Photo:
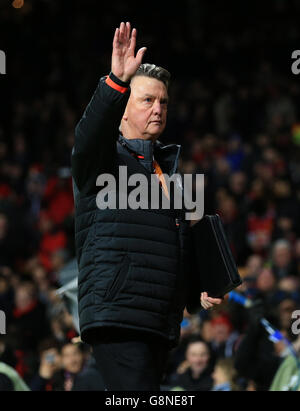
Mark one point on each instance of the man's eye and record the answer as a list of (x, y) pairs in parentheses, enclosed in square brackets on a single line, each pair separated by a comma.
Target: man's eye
[(148, 100)]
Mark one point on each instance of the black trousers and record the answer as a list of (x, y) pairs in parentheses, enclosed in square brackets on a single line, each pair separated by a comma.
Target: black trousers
[(130, 360)]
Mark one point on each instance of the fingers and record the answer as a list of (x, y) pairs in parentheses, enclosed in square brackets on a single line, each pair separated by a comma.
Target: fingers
[(122, 34), (204, 302), (211, 299), (125, 32), (132, 41), (208, 302), (214, 300), (128, 29), (122, 31), (116, 37), (206, 305), (124, 44), (140, 54)]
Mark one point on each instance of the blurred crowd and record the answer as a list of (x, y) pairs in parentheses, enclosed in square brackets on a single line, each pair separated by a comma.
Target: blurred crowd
[(234, 108)]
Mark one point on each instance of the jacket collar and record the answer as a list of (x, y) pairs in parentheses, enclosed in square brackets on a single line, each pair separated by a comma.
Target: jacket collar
[(166, 155)]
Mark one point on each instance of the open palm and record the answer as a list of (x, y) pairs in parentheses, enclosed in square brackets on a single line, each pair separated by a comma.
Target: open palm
[(124, 63)]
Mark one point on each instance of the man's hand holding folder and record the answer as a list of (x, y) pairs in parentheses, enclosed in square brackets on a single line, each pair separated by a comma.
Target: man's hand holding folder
[(208, 302), (213, 272)]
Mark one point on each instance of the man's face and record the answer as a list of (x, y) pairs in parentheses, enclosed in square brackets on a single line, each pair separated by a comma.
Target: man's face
[(221, 333), (282, 256), (197, 356), (146, 112), (72, 358)]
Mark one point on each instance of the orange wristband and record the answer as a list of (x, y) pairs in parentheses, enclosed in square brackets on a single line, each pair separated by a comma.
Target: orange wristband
[(115, 86)]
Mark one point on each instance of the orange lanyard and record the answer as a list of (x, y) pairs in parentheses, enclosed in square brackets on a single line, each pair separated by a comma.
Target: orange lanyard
[(160, 176)]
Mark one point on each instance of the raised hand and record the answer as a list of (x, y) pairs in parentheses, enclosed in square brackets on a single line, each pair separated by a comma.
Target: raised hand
[(123, 62)]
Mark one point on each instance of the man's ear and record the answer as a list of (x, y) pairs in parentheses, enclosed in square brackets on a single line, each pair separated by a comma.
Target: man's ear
[(125, 115)]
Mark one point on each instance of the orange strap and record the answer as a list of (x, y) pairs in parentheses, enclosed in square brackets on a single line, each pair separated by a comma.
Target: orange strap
[(115, 85), (161, 177)]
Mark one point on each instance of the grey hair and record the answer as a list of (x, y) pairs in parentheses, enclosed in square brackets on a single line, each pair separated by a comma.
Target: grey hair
[(153, 71), (281, 243)]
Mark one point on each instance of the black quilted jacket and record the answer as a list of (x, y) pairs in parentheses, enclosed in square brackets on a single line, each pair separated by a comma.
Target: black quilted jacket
[(132, 263)]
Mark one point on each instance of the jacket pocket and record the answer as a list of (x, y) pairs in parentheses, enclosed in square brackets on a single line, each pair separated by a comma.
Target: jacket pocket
[(118, 280)]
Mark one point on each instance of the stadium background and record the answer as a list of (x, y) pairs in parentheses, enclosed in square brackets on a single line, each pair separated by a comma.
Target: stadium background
[(234, 108)]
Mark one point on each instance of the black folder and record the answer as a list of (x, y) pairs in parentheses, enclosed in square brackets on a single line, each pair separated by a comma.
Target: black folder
[(213, 268)]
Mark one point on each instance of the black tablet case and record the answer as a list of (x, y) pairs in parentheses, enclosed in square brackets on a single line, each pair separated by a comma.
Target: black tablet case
[(213, 268)]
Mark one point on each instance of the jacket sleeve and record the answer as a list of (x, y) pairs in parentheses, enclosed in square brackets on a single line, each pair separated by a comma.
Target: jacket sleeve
[(97, 131)]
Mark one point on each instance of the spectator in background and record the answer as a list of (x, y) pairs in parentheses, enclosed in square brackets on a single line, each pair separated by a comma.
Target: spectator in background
[(70, 369), (282, 262), (26, 326), (224, 375), (6, 242), (235, 153), (237, 185), (7, 354), (35, 186), (58, 196), (58, 260), (256, 358), (10, 380), (194, 374), (62, 323), (224, 336), (253, 268), (266, 284), (62, 374), (234, 225), (29, 322), (190, 326), (52, 239), (285, 309), (287, 210), (260, 222), (287, 377), (290, 285), (50, 363), (43, 282), (280, 110), (288, 288)]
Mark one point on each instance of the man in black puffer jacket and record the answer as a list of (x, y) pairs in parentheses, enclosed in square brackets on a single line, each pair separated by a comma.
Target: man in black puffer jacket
[(132, 288)]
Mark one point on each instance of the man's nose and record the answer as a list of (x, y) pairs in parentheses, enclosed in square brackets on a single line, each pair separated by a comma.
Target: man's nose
[(157, 108)]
